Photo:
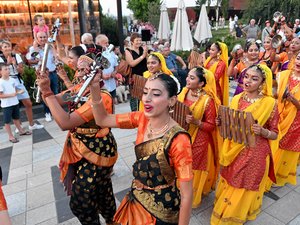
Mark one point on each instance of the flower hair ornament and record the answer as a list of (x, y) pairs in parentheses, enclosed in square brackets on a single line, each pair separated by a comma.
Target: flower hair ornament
[(156, 75), (177, 82)]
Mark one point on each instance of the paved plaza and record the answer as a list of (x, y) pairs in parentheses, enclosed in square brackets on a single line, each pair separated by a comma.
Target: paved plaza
[(35, 195)]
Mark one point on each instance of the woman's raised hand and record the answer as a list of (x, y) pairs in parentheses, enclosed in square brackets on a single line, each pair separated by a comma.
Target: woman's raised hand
[(43, 80)]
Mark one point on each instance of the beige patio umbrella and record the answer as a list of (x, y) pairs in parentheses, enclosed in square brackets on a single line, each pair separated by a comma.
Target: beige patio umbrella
[(164, 23), (203, 31), (181, 34)]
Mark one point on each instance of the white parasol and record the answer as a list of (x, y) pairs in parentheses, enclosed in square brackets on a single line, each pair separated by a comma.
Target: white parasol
[(164, 23), (203, 31), (181, 34)]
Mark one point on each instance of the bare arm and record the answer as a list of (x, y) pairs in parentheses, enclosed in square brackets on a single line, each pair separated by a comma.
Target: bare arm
[(2, 95), (102, 118), (133, 62), (232, 71), (4, 218), (274, 57), (183, 65), (64, 120), (186, 193), (63, 75)]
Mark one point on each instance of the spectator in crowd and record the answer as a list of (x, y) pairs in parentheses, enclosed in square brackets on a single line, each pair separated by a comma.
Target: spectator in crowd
[(251, 31), (39, 25), (171, 60), (231, 25), (16, 69), (10, 103), (136, 58), (238, 30), (296, 25), (266, 31), (155, 46), (236, 18), (109, 74), (50, 65), (87, 39)]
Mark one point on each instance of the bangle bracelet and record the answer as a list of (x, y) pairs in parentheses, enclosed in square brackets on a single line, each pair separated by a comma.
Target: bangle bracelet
[(199, 123), (269, 134), (99, 102), (47, 95)]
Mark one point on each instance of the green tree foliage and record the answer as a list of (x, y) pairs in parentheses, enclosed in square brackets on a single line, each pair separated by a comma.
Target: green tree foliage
[(199, 3), (110, 29), (264, 9), (154, 13), (140, 8), (224, 8)]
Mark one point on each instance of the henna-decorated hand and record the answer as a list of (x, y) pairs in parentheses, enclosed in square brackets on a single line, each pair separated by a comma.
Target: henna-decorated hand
[(61, 72), (43, 81)]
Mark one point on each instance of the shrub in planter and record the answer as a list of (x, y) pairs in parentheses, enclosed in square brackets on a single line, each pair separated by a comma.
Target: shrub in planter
[(29, 78)]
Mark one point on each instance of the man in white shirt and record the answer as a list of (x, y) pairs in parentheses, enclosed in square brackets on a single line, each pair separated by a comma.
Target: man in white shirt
[(109, 73), (42, 39)]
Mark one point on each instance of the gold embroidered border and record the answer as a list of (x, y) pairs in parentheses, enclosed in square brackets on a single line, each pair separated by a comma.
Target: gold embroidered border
[(92, 156), (234, 219), (283, 176), (156, 208)]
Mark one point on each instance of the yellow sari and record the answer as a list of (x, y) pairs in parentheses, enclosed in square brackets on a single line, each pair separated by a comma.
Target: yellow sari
[(224, 80), (286, 161), (233, 205), (204, 180)]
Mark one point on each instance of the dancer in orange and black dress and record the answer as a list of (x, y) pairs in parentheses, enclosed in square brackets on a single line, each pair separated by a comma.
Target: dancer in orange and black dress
[(163, 157), (89, 152)]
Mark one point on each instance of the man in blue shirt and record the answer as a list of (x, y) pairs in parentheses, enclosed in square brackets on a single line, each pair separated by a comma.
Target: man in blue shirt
[(171, 61)]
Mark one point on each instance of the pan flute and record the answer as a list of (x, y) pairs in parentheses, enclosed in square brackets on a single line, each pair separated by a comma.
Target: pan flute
[(236, 125), (180, 109)]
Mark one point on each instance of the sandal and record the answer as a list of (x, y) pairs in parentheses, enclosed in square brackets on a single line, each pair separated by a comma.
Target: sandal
[(25, 133), (15, 140)]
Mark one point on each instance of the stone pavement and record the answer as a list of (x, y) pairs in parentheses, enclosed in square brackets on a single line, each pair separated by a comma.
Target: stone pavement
[(35, 196)]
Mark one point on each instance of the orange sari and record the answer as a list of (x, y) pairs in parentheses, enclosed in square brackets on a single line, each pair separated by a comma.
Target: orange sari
[(150, 194)]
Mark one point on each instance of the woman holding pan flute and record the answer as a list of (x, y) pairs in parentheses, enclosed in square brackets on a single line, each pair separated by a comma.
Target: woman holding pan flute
[(201, 97), (245, 169), (286, 157)]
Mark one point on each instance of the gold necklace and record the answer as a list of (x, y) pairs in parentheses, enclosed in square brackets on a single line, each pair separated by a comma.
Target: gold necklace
[(152, 132), (251, 100), (294, 77), (197, 93)]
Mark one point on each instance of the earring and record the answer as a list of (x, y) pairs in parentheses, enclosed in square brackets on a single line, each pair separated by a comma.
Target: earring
[(218, 55), (260, 87), (171, 109)]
